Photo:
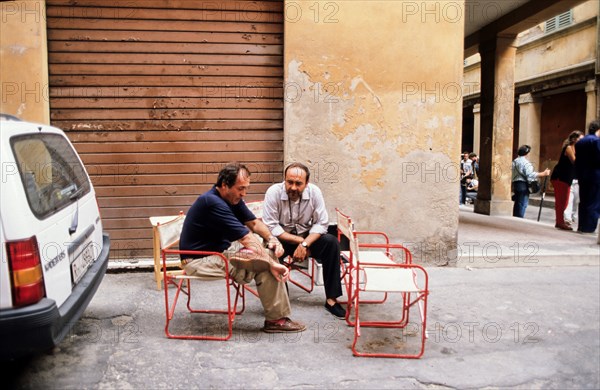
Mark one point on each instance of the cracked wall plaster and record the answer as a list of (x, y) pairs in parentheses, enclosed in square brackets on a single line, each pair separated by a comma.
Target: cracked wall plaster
[(375, 116)]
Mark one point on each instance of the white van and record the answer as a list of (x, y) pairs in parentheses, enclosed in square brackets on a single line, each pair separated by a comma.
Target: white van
[(54, 252)]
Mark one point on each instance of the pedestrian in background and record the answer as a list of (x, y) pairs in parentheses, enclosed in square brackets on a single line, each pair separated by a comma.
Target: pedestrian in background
[(522, 174), (474, 164), (466, 173), (562, 178), (587, 166), (570, 213)]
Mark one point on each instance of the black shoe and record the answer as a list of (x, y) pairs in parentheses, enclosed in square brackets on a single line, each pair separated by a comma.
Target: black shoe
[(337, 310)]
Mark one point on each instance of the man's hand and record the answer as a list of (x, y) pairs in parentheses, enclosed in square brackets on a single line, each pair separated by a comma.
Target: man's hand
[(275, 246), (280, 272), (300, 254)]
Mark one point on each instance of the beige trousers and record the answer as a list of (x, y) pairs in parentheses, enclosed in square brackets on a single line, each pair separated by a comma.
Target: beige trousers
[(243, 268)]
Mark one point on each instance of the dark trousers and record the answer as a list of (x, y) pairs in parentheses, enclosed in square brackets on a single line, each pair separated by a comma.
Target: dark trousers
[(326, 250), (521, 198), (589, 205), (463, 193)]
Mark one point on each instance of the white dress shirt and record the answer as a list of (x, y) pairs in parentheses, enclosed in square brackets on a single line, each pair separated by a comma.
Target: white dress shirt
[(307, 215)]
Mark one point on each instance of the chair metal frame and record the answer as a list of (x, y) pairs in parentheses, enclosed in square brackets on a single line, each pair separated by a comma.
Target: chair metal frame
[(345, 266), (371, 267), (309, 273), (167, 242)]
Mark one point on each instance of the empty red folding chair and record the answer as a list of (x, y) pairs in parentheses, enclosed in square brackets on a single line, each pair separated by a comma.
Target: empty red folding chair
[(372, 268)]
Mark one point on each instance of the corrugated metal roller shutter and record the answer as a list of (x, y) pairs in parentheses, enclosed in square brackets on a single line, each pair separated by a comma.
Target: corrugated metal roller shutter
[(157, 95)]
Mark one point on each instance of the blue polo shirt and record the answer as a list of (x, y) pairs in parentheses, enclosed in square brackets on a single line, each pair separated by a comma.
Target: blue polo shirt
[(212, 224)]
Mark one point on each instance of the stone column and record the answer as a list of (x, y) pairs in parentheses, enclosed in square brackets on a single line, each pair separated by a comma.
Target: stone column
[(530, 121), (591, 111), (476, 127), (497, 115)]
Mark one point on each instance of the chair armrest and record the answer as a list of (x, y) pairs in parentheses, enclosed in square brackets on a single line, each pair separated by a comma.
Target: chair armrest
[(388, 246), (373, 233)]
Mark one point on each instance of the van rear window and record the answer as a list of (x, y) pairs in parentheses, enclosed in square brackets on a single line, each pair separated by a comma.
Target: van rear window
[(51, 173)]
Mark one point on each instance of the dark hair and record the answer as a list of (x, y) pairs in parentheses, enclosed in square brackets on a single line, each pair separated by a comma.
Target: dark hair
[(472, 154), (298, 165), (594, 126), (524, 150), (230, 173), (572, 137)]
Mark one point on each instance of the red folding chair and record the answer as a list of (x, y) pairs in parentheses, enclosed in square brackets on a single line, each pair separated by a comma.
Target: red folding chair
[(372, 268), (345, 268), (168, 236), (307, 269)]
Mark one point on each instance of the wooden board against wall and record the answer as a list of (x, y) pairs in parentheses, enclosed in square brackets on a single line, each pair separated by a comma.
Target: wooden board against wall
[(158, 95)]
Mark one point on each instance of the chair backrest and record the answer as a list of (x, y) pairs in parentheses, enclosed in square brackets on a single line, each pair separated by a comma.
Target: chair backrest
[(346, 227), (256, 207), (169, 232)]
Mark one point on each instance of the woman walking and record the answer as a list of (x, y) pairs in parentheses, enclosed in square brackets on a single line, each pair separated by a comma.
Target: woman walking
[(522, 175), (562, 178)]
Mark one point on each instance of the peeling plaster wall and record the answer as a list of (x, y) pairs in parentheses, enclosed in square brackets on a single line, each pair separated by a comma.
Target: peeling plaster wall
[(24, 60), (373, 106)]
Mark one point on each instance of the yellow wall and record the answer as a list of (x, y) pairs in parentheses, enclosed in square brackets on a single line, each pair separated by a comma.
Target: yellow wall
[(373, 106), (24, 61), (561, 52), (472, 75)]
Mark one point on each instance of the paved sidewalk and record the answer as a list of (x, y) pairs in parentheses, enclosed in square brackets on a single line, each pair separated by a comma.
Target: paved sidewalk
[(524, 328), (491, 324), (485, 241)]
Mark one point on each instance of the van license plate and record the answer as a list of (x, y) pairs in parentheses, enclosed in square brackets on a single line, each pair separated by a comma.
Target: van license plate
[(82, 262)]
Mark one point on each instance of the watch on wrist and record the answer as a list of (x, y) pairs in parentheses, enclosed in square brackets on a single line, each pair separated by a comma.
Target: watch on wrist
[(304, 244)]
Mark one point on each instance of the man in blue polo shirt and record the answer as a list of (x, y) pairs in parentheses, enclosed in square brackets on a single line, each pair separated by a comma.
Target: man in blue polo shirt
[(219, 221)]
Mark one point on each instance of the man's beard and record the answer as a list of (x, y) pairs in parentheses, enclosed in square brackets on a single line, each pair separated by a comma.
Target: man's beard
[(294, 195)]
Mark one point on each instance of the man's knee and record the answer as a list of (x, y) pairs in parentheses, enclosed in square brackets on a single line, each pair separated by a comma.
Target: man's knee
[(330, 249), (330, 241), (210, 267)]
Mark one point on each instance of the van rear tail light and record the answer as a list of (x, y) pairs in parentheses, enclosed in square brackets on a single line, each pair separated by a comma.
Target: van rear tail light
[(26, 270)]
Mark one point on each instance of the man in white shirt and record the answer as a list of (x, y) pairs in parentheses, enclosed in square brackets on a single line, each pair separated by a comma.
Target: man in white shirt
[(295, 213)]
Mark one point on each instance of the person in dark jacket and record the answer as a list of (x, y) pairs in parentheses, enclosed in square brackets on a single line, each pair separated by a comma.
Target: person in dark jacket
[(587, 166)]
